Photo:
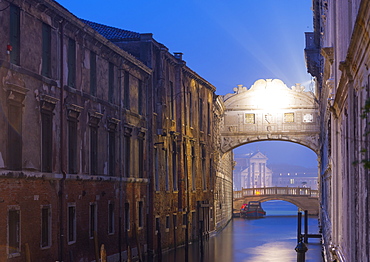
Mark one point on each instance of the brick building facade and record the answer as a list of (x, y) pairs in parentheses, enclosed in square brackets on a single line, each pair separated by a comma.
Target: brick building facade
[(73, 157), (102, 142), (181, 124)]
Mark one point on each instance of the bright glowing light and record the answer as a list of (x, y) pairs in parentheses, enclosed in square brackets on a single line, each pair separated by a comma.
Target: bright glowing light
[(271, 94), (278, 249)]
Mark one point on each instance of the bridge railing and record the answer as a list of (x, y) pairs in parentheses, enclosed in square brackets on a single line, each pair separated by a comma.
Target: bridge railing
[(296, 191)]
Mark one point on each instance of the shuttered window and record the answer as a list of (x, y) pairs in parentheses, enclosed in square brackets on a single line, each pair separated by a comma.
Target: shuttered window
[(71, 61), (14, 38), (209, 119), (141, 157), (200, 114), (46, 50), (112, 152), (190, 109), (174, 166), (126, 90), (111, 218), (167, 175), (156, 170), (92, 73), (111, 83), (93, 150), (204, 177), (72, 147), (71, 223), (141, 214), (193, 168), (46, 141), (15, 137), (140, 97), (172, 101), (127, 216), (93, 219), (127, 151), (14, 231), (45, 226)]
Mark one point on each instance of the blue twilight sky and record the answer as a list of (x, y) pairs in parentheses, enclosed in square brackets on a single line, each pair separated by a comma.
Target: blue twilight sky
[(226, 42)]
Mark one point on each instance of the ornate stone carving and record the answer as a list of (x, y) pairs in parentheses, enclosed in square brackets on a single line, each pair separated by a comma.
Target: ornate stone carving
[(269, 110)]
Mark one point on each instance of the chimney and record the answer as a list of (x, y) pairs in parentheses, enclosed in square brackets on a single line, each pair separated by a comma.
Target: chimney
[(178, 55)]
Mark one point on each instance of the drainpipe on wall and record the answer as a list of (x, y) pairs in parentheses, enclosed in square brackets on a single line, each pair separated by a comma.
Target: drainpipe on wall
[(147, 154), (61, 183), (120, 165)]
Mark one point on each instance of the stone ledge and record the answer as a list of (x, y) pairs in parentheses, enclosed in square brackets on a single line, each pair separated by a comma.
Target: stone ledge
[(57, 176)]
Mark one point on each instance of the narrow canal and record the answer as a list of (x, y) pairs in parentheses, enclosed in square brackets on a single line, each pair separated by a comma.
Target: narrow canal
[(269, 239)]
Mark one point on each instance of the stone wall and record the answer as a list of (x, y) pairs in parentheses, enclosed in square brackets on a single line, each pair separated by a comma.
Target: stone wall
[(224, 190), (342, 37)]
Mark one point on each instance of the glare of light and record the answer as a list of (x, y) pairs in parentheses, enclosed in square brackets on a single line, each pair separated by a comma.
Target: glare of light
[(271, 94), (280, 251)]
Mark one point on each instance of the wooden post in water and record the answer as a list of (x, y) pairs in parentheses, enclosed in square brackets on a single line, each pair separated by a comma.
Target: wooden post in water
[(103, 254), (96, 245), (187, 239), (28, 254), (201, 239), (306, 226), (301, 247), (299, 229)]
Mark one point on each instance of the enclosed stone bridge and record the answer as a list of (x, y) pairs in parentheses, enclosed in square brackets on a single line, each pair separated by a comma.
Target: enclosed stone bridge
[(269, 110), (304, 198)]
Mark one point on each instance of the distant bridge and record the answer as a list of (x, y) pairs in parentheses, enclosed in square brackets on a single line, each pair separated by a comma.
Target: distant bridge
[(302, 197)]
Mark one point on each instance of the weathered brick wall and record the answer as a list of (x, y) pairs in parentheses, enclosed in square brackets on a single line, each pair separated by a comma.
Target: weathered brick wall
[(28, 189), (224, 190)]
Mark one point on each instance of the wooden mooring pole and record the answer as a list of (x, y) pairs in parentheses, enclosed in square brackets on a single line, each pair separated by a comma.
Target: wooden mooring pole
[(301, 247), (299, 227), (305, 226)]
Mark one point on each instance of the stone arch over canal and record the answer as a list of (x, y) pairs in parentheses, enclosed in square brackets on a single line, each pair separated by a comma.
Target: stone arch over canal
[(304, 198), (270, 110)]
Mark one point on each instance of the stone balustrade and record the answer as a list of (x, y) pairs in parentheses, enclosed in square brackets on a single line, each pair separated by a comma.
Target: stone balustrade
[(266, 191)]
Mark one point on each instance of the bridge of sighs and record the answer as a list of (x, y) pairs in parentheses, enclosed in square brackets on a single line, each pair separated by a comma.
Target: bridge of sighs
[(269, 110)]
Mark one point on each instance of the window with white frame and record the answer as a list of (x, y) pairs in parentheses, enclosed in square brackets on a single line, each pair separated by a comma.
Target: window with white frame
[(193, 174), (166, 170), (110, 218), (140, 214), (174, 167), (174, 219), (93, 223), (45, 226), (71, 223), (127, 216), (184, 219), (157, 225), (167, 223), (156, 169), (14, 231)]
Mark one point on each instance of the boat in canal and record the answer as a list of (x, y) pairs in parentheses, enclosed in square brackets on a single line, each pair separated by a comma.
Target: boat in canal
[(252, 210)]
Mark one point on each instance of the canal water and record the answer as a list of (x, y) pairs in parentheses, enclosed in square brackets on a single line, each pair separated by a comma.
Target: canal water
[(269, 239)]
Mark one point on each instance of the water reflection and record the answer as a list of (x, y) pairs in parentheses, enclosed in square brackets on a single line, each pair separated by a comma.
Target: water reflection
[(270, 239), (271, 252)]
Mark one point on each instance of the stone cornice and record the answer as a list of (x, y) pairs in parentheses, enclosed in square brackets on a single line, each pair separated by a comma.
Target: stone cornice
[(56, 176)]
